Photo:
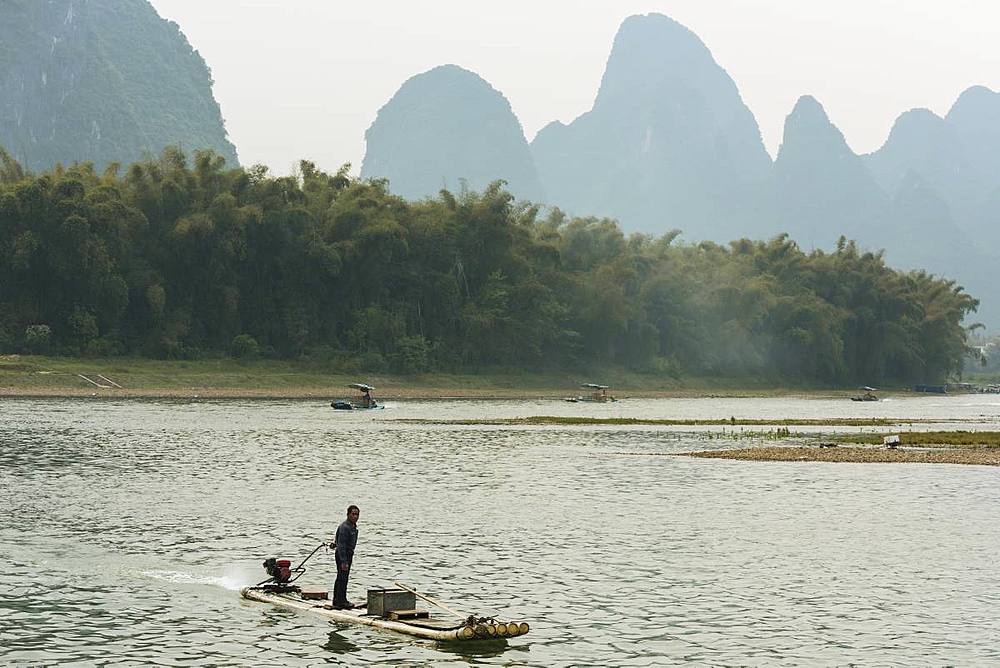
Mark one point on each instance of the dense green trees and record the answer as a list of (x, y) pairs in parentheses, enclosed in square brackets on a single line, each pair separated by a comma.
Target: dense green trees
[(178, 259)]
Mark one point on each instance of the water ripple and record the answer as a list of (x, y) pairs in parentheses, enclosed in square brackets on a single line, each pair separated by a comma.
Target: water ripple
[(128, 526)]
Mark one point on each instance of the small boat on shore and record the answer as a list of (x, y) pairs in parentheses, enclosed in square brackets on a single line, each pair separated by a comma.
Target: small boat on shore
[(598, 394)]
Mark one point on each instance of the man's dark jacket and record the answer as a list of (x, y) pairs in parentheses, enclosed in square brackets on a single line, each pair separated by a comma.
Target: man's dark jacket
[(345, 542)]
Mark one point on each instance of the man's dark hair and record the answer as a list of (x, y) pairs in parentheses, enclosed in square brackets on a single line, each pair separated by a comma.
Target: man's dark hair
[(352, 507)]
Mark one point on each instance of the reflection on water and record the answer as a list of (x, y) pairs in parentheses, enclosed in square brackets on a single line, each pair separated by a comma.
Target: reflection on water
[(475, 652), (338, 644), (128, 526)]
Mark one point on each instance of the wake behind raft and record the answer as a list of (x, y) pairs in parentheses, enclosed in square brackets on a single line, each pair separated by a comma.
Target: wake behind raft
[(388, 609)]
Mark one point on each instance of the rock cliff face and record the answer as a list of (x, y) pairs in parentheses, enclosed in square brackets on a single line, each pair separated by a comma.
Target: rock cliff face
[(102, 81), (669, 143), (444, 126)]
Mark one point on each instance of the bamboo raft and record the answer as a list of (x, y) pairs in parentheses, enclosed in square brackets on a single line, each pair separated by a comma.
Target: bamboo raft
[(424, 624)]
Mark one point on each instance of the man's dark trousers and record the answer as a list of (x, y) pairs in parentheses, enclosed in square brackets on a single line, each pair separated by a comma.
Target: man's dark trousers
[(340, 587)]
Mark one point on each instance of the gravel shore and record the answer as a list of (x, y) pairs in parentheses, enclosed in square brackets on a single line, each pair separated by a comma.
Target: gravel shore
[(849, 454)]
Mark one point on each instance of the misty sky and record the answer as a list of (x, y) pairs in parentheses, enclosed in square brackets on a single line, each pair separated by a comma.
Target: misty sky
[(305, 78)]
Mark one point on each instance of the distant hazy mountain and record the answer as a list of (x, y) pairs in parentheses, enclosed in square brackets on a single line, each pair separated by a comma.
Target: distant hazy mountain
[(903, 199), (958, 156), (944, 177), (929, 239), (100, 80), (446, 125), (824, 190), (669, 143), (976, 119), (926, 145), (987, 232)]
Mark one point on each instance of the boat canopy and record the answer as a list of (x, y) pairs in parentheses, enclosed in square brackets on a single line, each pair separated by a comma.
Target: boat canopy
[(867, 389), (595, 386), (362, 387)]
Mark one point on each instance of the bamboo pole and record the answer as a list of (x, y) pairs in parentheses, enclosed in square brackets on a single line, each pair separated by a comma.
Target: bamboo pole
[(108, 380), (91, 381), (430, 600)]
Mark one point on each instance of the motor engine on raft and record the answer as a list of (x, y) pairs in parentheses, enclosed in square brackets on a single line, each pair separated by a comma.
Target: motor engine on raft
[(280, 570), (279, 573)]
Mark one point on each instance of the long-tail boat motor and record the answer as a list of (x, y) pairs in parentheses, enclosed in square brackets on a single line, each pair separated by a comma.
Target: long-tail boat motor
[(280, 570), (281, 574)]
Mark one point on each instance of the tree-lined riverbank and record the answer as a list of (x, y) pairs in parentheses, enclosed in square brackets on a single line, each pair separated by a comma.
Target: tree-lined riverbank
[(179, 259)]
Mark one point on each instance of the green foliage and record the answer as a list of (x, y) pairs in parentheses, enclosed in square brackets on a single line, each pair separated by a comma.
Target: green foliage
[(412, 355), (179, 258), (37, 338), (244, 346), (83, 326), (7, 340)]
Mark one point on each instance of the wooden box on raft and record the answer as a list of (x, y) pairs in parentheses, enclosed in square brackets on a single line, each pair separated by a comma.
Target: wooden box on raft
[(313, 594), (383, 601)]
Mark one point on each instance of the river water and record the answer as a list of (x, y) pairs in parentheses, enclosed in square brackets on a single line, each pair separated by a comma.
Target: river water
[(128, 528)]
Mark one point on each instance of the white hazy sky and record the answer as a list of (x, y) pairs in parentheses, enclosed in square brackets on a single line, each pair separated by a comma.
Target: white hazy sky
[(305, 78)]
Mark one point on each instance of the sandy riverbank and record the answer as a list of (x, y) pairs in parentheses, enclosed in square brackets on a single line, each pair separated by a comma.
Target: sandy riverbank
[(35, 376), (382, 393), (333, 392)]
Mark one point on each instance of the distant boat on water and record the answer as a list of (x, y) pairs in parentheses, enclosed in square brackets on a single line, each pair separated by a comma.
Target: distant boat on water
[(367, 401), (869, 394), (598, 394)]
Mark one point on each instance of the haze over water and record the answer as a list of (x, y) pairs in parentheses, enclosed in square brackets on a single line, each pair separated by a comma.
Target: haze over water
[(130, 527)]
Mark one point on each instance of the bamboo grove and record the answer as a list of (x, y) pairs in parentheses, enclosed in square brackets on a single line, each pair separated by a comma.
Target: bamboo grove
[(174, 258)]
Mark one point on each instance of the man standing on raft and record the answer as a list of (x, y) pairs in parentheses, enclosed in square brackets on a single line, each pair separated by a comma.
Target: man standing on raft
[(344, 544)]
